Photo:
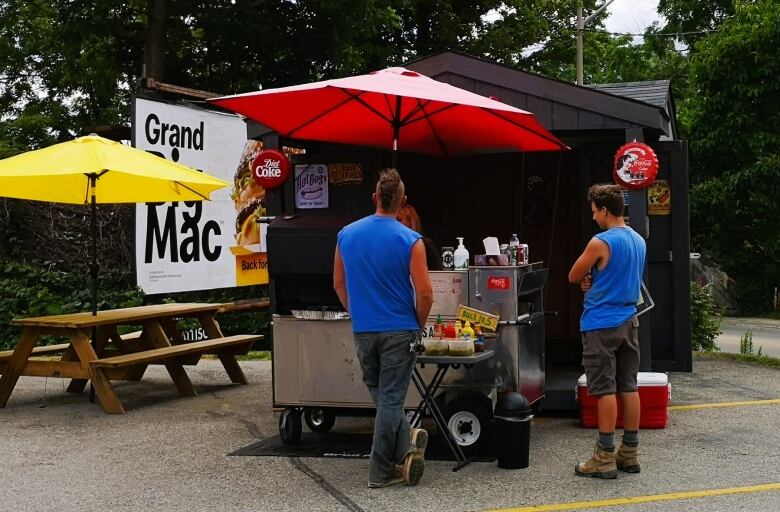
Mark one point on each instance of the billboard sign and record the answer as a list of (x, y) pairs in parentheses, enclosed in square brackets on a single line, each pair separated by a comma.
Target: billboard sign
[(186, 246)]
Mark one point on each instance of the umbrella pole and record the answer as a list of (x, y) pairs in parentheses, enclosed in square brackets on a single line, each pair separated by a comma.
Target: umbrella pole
[(93, 267), (396, 130)]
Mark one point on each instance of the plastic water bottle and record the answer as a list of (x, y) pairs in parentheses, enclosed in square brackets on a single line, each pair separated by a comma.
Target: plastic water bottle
[(514, 245)]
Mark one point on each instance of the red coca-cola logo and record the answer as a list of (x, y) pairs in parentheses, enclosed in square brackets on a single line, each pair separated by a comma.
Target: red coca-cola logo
[(498, 283), (270, 169), (636, 165)]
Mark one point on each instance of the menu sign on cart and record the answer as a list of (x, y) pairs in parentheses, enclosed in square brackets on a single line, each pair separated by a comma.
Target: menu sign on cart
[(486, 320)]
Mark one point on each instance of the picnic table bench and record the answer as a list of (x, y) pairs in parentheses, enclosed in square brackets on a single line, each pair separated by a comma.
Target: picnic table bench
[(96, 351)]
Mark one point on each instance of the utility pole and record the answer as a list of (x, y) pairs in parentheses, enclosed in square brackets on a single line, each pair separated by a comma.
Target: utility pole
[(581, 24)]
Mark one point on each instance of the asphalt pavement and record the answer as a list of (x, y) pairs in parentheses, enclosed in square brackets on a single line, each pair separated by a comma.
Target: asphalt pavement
[(59, 452), (766, 334)]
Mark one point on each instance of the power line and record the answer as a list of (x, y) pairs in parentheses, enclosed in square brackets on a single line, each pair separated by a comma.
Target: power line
[(652, 34)]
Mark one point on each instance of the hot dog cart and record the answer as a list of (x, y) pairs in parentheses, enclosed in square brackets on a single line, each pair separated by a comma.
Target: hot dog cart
[(316, 373)]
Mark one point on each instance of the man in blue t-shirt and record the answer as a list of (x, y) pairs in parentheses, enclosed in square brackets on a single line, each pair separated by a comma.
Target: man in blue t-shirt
[(381, 277), (609, 271)]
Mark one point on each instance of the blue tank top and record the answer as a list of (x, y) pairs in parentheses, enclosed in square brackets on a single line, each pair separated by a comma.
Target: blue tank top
[(615, 289), (376, 251)]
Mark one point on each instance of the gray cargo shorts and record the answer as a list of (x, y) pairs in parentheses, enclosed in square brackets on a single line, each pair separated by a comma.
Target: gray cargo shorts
[(611, 358)]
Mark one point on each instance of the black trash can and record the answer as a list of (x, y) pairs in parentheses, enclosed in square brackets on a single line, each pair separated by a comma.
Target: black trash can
[(513, 430)]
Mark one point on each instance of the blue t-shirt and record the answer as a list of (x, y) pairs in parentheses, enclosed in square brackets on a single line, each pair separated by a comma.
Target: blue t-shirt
[(376, 251), (615, 289)]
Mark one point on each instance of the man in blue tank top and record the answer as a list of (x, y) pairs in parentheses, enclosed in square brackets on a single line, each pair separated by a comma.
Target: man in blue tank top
[(609, 271), (380, 274)]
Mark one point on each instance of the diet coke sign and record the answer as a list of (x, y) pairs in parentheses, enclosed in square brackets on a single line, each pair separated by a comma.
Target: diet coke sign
[(270, 169)]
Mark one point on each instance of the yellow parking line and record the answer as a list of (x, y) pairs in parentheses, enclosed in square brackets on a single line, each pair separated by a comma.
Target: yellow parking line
[(633, 500), (723, 404)]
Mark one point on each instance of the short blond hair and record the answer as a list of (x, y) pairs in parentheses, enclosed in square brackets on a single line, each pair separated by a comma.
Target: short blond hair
[(388, 189)]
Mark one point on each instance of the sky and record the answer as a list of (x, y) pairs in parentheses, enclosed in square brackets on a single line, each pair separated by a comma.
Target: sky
[(632, 16)]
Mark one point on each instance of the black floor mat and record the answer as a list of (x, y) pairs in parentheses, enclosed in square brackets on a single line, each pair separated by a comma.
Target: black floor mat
[(342, 445)]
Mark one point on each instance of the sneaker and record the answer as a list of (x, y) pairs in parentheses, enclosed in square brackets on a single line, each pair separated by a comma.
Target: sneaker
[(627, 459), (413, 468), (601, 465), (419, 440)]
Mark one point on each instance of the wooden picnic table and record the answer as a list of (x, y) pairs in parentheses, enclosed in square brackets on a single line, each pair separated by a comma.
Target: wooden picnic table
[(120, 357)]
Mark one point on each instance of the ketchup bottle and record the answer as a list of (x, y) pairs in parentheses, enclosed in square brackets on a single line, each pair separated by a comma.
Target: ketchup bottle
[(449, 330)]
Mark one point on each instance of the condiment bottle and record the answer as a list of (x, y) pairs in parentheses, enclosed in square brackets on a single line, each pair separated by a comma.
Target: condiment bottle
[(438, 328), (449, 330), (467, 332), (458, 329), (479, 340)]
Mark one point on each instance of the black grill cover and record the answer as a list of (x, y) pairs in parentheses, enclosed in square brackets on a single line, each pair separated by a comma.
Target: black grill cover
[(300, 262)]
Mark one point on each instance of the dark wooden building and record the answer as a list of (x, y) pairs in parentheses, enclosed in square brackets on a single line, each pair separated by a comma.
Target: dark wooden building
[(542, 198)]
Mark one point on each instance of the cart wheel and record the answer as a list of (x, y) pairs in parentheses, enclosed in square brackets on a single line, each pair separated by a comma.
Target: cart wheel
[(319, 420), (469, 421), (290, 426)]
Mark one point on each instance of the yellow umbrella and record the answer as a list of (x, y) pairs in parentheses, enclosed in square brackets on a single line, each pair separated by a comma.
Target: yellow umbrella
[(61, 173), (91, 170)]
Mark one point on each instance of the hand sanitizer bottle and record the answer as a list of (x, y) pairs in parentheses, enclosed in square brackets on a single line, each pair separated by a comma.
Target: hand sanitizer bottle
[(461, 255)]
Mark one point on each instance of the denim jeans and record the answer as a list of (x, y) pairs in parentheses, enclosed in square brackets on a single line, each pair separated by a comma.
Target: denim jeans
[(387, 363)]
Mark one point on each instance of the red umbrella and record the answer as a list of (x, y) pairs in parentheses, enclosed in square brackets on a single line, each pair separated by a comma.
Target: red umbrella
[(394, 108)]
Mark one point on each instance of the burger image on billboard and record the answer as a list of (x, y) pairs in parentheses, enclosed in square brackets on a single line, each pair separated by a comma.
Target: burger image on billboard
[(248, 197)]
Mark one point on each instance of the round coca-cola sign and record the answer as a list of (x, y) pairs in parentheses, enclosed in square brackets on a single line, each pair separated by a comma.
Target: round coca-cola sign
[(636, 165), (270, 169)]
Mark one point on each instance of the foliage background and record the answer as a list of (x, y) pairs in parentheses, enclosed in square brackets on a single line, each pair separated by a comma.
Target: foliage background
[(705, 320), (67, 67)]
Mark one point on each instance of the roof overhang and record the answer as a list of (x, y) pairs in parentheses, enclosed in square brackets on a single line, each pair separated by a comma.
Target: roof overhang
[(630, 111)]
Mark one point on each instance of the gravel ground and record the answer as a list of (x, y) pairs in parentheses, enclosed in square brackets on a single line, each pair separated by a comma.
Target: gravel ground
[(169, 453)]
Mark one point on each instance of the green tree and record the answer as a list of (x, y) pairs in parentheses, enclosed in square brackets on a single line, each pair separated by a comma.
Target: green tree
[(694, 16), (735, 168), (68, 66)]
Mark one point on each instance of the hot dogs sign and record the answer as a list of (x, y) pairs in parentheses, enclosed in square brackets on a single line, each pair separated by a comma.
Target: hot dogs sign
[(311, 186), (636, 166)]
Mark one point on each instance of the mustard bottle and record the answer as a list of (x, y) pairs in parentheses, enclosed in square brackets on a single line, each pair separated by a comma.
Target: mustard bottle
[(467, 331)]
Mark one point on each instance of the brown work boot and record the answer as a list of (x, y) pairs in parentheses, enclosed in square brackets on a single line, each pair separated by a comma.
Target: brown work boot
[(601, 465), (419, 440), (413, 468), (398, 478), (627, 458)]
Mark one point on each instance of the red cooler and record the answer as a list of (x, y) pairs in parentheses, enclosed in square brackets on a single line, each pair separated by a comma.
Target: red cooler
[(655, 395)]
